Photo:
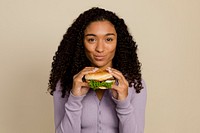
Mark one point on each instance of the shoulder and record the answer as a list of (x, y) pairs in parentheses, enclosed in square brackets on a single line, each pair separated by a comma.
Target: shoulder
[(143, 92), (58, 90), (144, 89)]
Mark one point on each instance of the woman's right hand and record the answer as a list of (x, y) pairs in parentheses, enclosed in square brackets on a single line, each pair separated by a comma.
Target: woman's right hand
[(79, 87)]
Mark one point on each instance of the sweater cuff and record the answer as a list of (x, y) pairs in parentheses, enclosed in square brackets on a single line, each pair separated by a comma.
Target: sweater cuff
[(74, 102), (123, 107), (122, 104)]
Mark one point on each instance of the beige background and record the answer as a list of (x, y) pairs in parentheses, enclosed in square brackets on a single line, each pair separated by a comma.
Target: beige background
[(168, 35)]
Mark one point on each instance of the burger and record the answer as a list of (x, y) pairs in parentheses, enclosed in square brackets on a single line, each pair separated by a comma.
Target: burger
[(100, 79)]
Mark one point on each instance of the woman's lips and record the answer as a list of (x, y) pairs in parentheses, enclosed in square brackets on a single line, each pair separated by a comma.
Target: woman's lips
[(98, 58)]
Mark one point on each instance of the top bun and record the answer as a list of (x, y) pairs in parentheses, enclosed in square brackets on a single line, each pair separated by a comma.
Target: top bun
[(99, 75)]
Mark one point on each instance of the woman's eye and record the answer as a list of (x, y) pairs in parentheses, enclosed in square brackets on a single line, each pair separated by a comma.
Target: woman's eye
[(109, 39), (91, 40)]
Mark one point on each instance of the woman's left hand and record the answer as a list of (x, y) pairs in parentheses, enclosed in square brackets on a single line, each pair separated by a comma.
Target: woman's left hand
[(120, 90)]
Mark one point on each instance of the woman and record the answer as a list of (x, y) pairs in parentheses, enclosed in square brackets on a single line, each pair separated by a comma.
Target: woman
[(97, 39)]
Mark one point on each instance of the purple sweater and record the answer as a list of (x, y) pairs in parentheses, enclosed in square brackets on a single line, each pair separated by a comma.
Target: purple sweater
[(86, 114)]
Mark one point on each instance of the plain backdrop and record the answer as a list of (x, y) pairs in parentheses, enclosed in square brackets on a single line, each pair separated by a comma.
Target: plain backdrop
[(167, 33)]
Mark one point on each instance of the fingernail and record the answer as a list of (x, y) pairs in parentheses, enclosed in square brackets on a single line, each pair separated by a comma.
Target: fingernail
[(108, 68), (95, 69)]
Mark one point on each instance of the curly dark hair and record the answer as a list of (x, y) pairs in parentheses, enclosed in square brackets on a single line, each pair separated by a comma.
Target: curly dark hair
[(70, 57)]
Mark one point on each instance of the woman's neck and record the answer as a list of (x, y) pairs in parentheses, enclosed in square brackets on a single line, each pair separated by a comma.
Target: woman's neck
[(100, 93)]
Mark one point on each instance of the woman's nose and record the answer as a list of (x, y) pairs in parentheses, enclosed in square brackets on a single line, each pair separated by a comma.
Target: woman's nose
[(100, 46)]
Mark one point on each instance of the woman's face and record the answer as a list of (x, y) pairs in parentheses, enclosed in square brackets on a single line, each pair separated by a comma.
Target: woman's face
[(100, 41)]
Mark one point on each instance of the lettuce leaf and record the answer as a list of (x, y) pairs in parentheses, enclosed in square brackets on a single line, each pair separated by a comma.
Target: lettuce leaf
[(96, 84)]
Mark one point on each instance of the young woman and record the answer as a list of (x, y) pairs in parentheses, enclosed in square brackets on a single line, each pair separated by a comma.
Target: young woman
[(97, 39)]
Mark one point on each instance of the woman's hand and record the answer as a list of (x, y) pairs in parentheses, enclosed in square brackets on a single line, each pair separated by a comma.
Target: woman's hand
[(79, 87), (120, 90)]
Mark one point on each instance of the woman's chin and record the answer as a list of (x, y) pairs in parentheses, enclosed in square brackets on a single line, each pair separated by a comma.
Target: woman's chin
[(102, 65)]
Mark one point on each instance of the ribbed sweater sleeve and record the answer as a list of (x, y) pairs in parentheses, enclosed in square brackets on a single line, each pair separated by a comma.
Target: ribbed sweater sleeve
[(131, 112), (67, 120)]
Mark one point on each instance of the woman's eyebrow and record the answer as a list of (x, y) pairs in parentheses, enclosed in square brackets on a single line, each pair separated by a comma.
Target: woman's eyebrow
[(108, 34), (90, 35)]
